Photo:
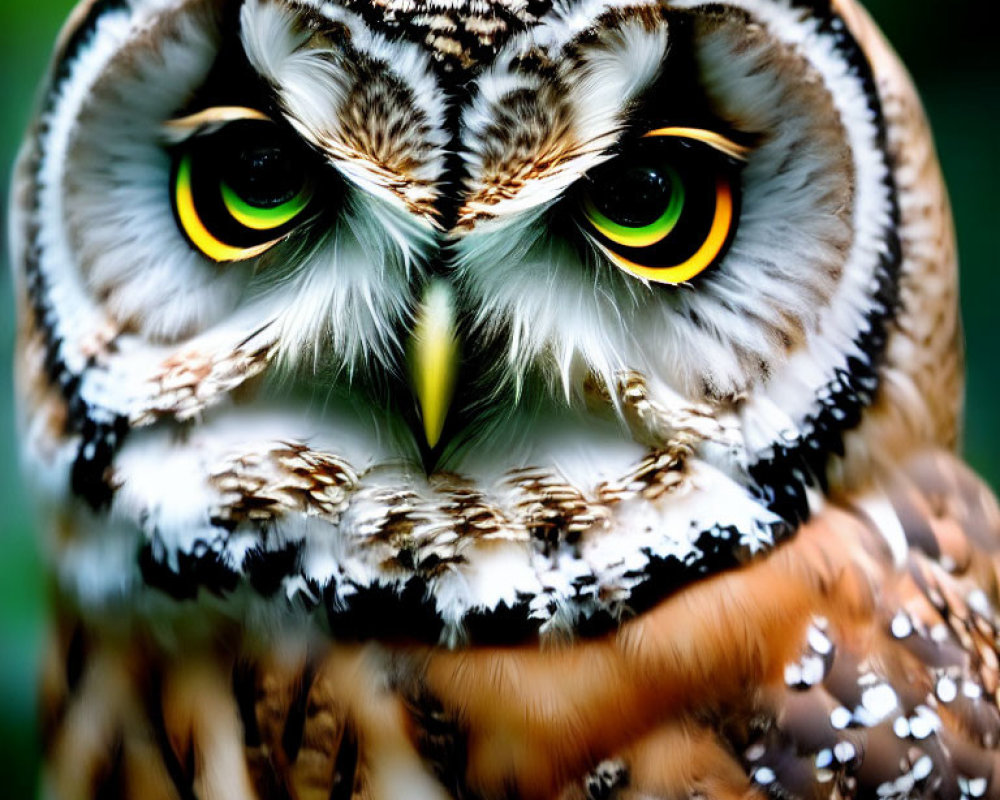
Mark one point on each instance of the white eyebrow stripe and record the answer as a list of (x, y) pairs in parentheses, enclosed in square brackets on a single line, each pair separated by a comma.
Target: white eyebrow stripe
[(323, 91), (567, 19), (593, 90)]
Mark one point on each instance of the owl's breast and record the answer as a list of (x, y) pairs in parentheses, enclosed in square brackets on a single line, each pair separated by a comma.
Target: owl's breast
[(846, 662)]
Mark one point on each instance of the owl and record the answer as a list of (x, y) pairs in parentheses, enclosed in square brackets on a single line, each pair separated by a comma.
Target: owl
[(488, 399)]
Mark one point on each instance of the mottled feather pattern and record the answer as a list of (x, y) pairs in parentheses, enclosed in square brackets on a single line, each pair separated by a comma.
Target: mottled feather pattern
[(707, 539), (825, 670)]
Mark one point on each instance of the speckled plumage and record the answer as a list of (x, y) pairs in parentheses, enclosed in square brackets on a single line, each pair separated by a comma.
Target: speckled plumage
[(707, 539)]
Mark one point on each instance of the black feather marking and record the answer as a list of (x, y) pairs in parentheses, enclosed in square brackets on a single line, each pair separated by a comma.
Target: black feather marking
[(81, 35), (295, 723), (76, 658), (101, 432), (345, 768), (181, 774), (204, 568), (110, 783), (442, 742), (783, 474), (502, 625), (399, 613), (245, 694), (267, 569)]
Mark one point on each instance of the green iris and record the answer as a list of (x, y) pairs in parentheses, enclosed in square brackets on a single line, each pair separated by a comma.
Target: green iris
[(261, 218), (635, 195)]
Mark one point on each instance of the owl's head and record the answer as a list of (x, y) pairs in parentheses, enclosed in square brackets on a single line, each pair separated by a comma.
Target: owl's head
[(469, 319)]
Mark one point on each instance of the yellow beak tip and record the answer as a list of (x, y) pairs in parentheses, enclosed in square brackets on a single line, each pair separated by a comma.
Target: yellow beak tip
[(433, 435)]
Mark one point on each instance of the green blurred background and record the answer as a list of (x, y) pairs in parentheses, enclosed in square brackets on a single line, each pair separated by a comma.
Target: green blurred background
[(951, 47)]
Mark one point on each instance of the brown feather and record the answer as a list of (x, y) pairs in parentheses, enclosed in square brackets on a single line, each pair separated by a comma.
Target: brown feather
[(741, 677)]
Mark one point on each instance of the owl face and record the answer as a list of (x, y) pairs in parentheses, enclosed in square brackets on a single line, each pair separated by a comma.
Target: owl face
[(462, 321)]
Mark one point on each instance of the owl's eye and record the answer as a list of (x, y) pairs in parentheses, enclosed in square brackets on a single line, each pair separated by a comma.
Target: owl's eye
[(240, 187), (667, 209)]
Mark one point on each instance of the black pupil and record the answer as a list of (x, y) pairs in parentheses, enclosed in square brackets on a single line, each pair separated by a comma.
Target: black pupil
[(633, 196), (264, 174)]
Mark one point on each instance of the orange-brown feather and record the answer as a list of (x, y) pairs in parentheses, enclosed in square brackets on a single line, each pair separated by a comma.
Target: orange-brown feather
[(679, 696)]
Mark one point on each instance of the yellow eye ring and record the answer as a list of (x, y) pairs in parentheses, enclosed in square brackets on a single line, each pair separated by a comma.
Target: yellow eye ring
[(195, 229), (665, 211), (241, 183), (709, 251)]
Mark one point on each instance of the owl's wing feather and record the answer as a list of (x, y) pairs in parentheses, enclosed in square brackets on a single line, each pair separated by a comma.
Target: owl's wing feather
[(860, 658)]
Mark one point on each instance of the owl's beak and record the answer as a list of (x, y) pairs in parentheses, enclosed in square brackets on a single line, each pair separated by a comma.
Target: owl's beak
[(434, 356)]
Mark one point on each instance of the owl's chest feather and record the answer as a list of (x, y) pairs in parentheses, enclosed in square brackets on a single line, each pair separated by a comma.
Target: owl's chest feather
[(829, 667)]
